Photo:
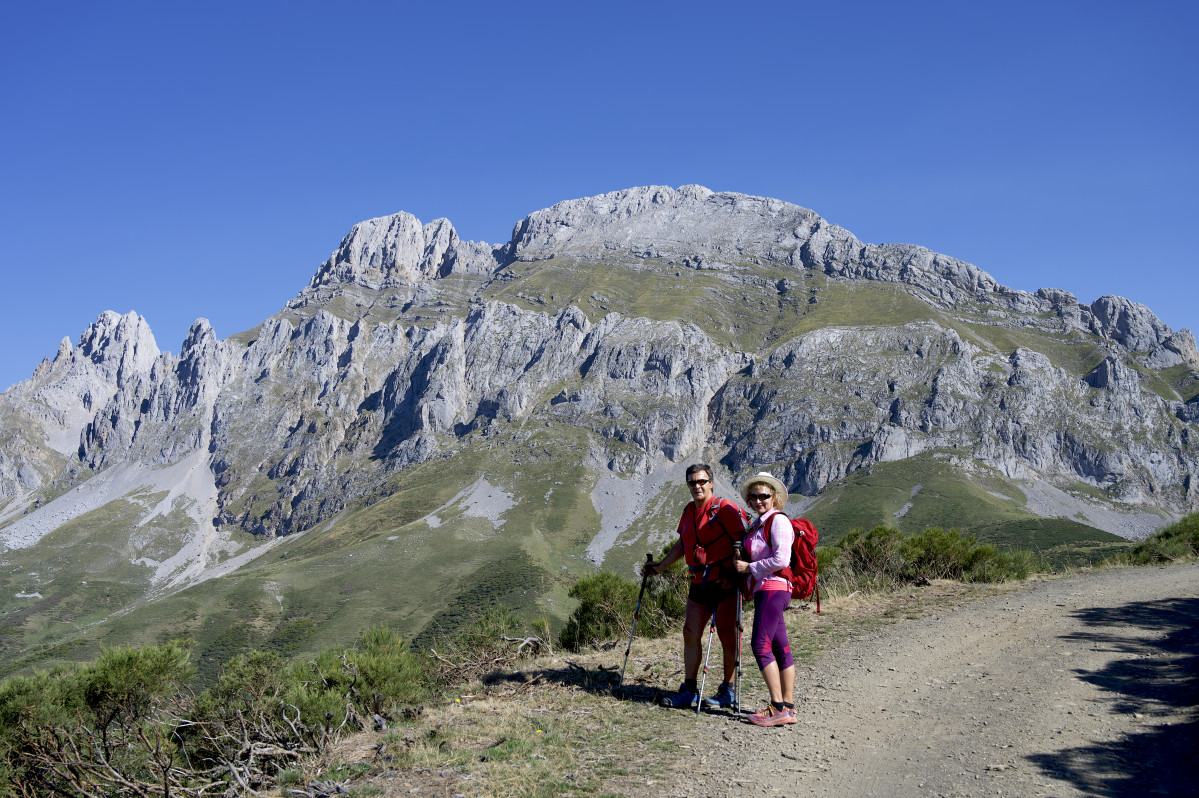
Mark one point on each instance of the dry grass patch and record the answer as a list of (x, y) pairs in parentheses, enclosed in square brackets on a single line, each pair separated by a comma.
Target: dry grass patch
[(552, 726)]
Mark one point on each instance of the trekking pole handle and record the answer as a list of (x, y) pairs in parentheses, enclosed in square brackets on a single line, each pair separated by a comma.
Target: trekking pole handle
[(649, 558)]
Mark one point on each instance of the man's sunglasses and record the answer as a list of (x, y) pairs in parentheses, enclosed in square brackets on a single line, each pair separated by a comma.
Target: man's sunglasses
[(698, 481)]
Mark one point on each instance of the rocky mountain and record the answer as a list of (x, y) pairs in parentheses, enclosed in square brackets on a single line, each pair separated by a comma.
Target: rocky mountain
[(613, 338)]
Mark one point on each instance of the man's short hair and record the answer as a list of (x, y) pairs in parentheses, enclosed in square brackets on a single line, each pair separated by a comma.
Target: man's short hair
[(694, 467)]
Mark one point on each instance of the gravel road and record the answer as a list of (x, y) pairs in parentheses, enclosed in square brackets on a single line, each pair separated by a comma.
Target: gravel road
[(1085, 685)]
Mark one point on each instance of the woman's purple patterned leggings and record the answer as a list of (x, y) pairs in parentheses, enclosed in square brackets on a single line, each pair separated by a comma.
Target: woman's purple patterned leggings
[(769, 640)]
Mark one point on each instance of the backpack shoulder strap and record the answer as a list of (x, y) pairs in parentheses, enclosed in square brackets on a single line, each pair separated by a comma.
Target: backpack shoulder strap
[(714, 515), (785, 571), (766, 527)]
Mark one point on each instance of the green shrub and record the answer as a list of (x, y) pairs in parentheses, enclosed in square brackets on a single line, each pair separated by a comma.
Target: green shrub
[(1018, 565), (95, 728), (125, 684), (493, 640), (487, 629), (125, 724), (983, 563), (389, 670), (1177, 542), (297, 708), (884, 559), (937, 553), (874, 558), (1187, 529), (250, 683), (44, 699), (1158, 551), (826, 558), (607, 603), (29, 704), (604, 600), (835, 579)]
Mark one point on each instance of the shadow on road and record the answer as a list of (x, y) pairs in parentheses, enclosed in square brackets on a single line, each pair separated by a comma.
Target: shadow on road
[(1156, 681)]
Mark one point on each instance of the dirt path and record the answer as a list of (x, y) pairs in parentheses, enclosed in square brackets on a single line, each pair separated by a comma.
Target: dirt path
[(1087, 685)]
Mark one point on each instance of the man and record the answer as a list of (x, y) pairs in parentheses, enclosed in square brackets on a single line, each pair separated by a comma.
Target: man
[(708, 529)]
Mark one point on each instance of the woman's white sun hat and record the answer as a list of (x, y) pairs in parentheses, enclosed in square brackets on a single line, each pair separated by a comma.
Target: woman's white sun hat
[(760, 478)]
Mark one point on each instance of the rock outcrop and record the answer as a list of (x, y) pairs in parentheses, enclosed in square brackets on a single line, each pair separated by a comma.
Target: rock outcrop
[(399, 252)]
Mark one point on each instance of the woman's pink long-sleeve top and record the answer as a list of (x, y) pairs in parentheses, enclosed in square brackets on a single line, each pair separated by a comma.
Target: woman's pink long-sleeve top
[(766, 560)]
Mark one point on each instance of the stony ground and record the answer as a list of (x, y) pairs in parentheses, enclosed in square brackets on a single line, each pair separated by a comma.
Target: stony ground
[(1086, 685)]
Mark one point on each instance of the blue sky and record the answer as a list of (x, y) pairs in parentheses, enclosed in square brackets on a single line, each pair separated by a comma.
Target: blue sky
[(187, 160)]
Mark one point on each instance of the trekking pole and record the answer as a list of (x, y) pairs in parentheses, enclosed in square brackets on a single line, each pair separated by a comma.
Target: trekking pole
[(649, 558), (699, 700), (740, 629), (739, 554)]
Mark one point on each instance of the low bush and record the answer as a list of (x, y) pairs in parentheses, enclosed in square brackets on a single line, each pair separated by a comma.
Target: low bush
[(937, 553), (493, 640), (100, 728), (375, 676), (873, 557), (884, 558), (1175, 543), (607, 603), (126, 723)]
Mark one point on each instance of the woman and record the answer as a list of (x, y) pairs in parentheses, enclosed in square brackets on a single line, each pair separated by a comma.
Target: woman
[(766, 496)]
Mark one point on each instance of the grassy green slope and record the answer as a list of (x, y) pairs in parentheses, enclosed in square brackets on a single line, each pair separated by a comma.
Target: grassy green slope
[(80, 574), (930, 490)]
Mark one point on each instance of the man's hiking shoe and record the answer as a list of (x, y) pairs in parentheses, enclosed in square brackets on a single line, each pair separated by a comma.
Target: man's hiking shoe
[(769, 716), (683, 698), (722, 699)]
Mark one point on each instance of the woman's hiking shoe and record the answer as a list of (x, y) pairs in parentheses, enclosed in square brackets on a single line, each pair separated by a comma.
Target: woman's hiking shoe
[(769, 716), (683, 698), (723, 698)]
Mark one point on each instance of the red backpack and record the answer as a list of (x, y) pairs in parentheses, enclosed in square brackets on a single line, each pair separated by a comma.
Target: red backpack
[(701, 569), (801, 573)]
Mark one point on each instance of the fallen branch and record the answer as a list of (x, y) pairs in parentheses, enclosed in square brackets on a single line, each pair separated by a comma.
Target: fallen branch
[(527, 641)]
